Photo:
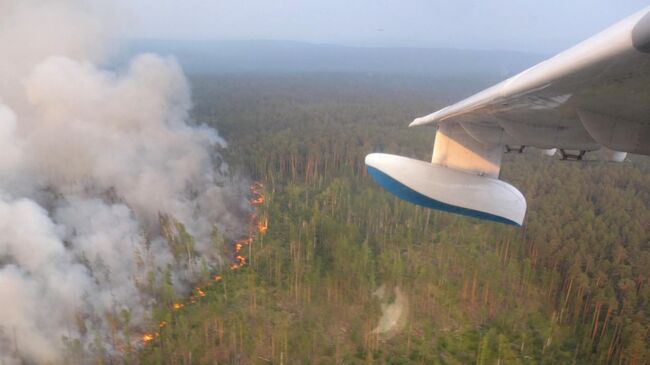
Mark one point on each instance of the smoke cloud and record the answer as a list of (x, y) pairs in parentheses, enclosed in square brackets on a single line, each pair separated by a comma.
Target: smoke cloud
[(99, 171)]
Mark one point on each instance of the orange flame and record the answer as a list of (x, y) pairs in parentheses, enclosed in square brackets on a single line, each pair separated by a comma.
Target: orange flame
[(148, 337), (263, 225), (257, 200), (240, 261)]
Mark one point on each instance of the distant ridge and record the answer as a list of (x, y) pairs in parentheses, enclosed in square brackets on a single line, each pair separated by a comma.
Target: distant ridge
[(292, 57)]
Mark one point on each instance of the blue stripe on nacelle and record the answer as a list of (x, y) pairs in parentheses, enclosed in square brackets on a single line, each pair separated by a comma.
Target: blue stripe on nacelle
[(403, 192)]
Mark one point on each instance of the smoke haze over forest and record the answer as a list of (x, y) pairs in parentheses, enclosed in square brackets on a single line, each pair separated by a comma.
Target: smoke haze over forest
[(298, 57), (93, 162), (114, 200)]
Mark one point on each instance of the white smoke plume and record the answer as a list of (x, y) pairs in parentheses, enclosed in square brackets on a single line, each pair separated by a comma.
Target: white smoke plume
[(92, 163)]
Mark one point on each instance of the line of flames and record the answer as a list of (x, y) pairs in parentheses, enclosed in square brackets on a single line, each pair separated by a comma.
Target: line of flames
[(256, 226)]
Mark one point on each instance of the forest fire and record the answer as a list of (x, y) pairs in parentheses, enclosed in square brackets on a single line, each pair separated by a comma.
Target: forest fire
[(258, 197), (263, 225), (148, 337), (255, 227)]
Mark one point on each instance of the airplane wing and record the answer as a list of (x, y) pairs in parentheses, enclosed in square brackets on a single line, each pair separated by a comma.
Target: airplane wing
[(594, 96)]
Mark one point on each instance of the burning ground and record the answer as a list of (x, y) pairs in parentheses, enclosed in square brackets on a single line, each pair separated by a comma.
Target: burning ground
[(111, 200), (257, 226)]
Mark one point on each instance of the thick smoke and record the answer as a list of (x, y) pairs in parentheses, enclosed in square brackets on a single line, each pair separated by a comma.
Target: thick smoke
[(99, 171)]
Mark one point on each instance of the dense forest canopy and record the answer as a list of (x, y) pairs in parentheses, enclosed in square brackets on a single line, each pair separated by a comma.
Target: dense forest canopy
[(347, 273)]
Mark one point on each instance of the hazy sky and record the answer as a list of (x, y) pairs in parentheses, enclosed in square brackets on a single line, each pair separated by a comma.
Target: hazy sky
[(539, 26)]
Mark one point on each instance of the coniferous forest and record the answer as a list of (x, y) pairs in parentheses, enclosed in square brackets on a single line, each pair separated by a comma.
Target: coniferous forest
[(348, 274)]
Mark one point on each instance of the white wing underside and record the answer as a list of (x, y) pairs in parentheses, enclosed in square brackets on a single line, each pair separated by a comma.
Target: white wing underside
[(596, 94), (593, 95)]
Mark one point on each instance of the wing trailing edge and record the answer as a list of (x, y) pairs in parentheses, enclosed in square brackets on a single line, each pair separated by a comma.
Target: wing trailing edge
[(627, 39)]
